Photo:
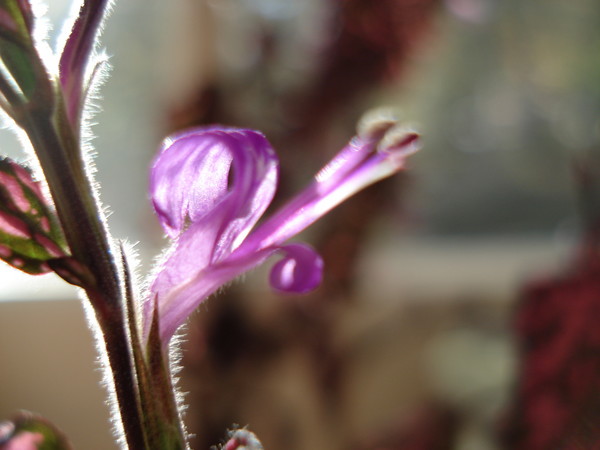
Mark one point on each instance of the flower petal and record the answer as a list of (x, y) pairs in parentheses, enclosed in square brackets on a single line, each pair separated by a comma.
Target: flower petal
[(190, 180), (361, 163), (176, 301), (209, 187), (189, 257), (299, 271)]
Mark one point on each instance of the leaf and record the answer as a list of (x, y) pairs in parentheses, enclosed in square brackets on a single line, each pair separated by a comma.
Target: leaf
[(557, 398), (30, 234), (28, 431)]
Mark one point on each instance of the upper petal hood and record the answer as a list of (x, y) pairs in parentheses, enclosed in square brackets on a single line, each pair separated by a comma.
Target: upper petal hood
[(221, 178)]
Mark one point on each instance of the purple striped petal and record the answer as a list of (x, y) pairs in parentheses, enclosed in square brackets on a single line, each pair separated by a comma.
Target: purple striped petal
[(361, 163), (222, 178)]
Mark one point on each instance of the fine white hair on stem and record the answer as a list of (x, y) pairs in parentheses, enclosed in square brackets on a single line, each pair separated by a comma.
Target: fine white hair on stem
[(175, 355), (42, 25), (106, 373), (95, 75), (146, 286), (132, 261), (91, 106), (175, 352), (67, 25)]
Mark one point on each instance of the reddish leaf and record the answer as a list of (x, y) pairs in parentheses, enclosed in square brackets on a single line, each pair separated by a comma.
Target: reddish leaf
[(557, 403), (30, 235)]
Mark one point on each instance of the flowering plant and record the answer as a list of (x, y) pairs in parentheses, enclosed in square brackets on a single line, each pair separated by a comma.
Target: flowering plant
[(210, 188)]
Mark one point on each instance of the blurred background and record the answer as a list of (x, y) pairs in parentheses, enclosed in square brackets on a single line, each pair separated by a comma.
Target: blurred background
[(457, 295)]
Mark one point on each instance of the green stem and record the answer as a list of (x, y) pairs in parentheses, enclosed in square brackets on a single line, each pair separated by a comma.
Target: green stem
[(87, 237), (143, 387)]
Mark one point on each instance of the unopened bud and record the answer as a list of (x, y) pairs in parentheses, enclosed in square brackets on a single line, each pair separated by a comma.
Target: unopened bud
[(242, 440)]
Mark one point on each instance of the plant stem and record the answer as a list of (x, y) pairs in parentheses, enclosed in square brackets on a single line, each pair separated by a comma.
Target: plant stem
[(57, 150), (163, 425)]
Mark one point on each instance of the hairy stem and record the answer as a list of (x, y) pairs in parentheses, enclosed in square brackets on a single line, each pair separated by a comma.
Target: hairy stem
[(57, 148)]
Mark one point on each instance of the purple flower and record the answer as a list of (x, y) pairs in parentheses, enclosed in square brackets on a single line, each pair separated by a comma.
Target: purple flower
[(209, 188)]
